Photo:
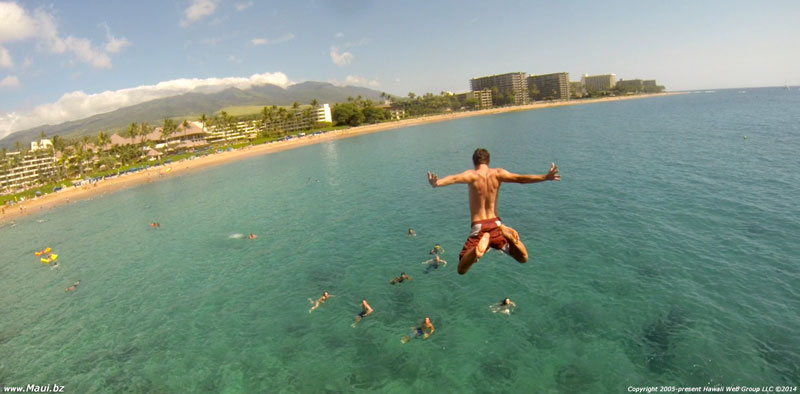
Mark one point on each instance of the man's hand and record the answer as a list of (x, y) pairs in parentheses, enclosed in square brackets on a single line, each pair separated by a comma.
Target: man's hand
[(552, 175), (432, 179)]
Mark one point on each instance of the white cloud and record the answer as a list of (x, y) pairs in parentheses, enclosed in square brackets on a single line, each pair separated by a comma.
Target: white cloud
[(241, 6), (198, 10), (341, 59), (361, 81), (5, 58), (79, 105), (16, 24), (10, 82), (114, 44), (265, 41)]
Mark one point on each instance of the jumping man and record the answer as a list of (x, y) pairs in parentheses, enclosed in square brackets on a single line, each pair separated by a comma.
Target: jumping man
[(487, 230)]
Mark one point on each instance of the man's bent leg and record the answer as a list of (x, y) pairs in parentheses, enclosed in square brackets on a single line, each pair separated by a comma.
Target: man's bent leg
[(515, 247), (473, 254)]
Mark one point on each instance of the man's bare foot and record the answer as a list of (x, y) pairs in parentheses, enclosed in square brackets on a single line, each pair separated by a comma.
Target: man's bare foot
[(510, 234), (474, 254), (482, 245)]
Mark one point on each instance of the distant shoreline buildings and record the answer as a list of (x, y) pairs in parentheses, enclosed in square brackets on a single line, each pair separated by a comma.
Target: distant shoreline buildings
[(516, 88)]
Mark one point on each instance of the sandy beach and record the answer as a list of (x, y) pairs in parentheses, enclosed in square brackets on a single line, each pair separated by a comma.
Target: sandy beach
[(72, 194)]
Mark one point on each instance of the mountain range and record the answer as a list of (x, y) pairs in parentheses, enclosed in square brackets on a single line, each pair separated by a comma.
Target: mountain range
[(191, 106)]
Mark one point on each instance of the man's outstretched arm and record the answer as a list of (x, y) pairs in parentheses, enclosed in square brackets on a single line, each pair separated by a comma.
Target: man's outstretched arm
[(448, 180), (552, 175)]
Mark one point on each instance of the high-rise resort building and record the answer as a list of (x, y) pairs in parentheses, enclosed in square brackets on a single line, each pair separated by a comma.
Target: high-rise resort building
[(20, 169), (630, 85), (324, 113), (506, 84), (599, 83), (549, 86), (483, 98)]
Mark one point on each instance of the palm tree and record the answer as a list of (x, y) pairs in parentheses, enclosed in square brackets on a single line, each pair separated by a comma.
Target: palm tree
[(144, 130), (224, 122), (314, 103), (102, 139), (168, 128), (132, 131), (283, 116)]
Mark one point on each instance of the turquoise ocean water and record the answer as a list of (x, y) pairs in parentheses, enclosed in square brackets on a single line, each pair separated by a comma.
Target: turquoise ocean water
[(667, 255)]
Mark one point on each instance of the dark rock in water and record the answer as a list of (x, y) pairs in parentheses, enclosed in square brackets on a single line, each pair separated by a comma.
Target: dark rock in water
[(8, 334), (578, 318), (572, 378), (659, 337), (782, 354)]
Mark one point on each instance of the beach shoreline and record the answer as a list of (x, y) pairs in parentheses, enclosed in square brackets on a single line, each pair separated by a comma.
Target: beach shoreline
[(155, 174)]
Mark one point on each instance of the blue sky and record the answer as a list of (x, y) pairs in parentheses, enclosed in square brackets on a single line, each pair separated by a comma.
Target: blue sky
[(67, 60)]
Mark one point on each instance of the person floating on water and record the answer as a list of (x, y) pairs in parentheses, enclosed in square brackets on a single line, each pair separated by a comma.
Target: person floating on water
[(318, 302), (424, 330), (72, 288), (434, 263), (487, 230), (252, 236), (411, 232), (366, 310), (436, 249), (506, 306), (400, 278)]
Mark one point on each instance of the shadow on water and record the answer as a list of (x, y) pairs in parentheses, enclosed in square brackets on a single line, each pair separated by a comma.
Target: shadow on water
[(578, 318), (780, 351), (574, 378), (659, 338)]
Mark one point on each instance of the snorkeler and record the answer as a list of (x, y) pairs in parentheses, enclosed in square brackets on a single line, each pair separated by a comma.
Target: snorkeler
[(400, 278), (411, 232), (434, 263), (424, 330), (366, 311), (487, 230), (319, 301), (72, 288), (505, 306), (252, 236), (436, 250)]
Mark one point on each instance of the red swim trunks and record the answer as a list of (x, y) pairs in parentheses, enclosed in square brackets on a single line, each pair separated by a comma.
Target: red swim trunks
[(496, 238)]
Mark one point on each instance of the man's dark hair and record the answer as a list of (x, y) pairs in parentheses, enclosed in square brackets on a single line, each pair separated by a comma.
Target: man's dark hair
[(481, 156)]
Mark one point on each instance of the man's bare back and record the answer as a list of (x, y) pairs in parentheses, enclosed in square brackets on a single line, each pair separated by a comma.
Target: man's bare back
[(484, 184)]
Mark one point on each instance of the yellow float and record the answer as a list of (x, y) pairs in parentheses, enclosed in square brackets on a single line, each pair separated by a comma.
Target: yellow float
[(41, 252), (53, 257)]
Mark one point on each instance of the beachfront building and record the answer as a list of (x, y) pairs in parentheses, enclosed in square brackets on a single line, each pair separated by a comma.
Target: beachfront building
[(323, 113), (650, 86), (396, 113), (576, 90), (232, 133), (509, 88), (19, 170), (42, 144), (549, 86), (599, 83), (483, 98), (630, 85)]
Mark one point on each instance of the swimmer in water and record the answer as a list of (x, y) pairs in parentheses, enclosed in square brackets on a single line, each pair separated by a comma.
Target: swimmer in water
[(366, 310), (252, 236), (424, 330), (434, 263), (55, 266), (436, 250), (319, 301), (505, 306), (400, 278), (72, 288), (411, 232)]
